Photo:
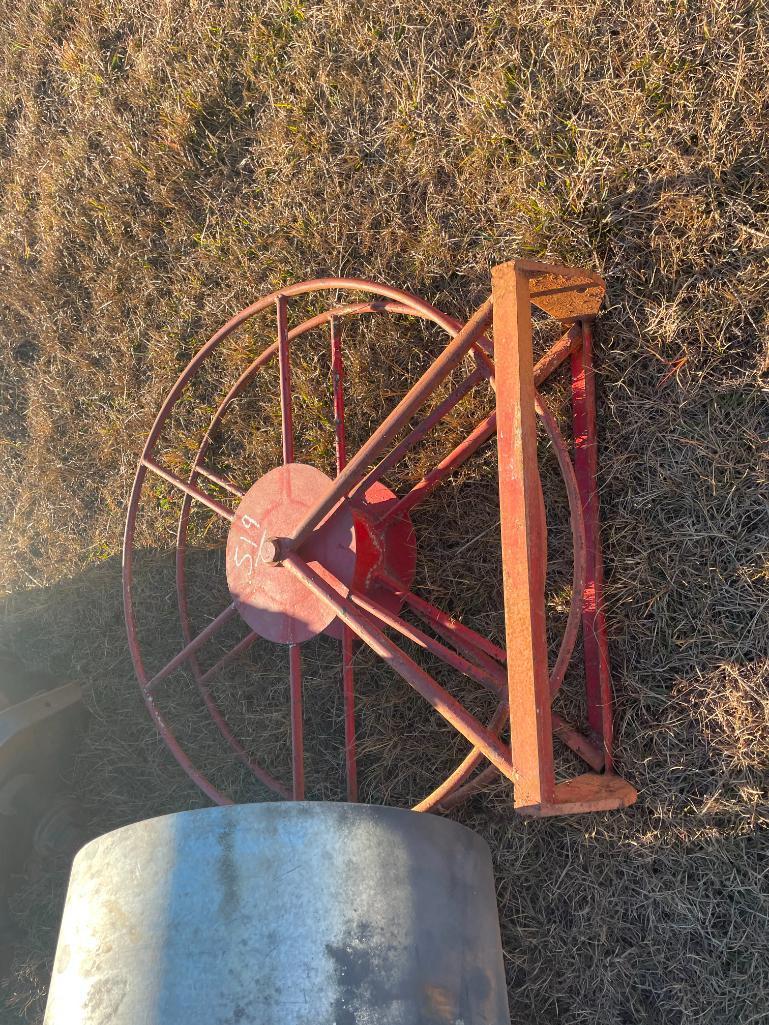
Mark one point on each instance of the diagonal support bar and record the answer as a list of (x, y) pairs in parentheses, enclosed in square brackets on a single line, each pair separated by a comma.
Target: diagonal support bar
[(480, 434), (421, 430), (355, 470), (444, 704)]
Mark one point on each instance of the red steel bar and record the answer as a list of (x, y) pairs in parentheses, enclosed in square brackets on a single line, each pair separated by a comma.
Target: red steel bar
[(286, 419), (552, 359), (432, 614), (297, 721), (523, 532), (188, 489), (491, 679), (448, 627), (348, 678), (557, 354), (478, 436), (240, 648), (217, 479), (448, 631), (597, 672), (577, 524), (355, 470), (469, 643), (443, 703), (348, 690), (579, 743), (194, 644), (421, 430)]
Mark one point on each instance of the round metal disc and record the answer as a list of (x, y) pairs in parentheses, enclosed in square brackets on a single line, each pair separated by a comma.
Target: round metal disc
[(392, 548), (273, 602)]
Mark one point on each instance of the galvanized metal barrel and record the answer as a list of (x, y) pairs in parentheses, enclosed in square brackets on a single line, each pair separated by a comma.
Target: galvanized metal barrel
[(282, 914)]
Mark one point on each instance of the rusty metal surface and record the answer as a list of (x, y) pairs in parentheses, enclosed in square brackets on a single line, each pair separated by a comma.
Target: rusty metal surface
[(524, 558), (281, 914), (20, 723), (565, 293)]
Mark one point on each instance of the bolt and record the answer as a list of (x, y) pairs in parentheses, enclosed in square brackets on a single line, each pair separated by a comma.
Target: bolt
[(271, 550)]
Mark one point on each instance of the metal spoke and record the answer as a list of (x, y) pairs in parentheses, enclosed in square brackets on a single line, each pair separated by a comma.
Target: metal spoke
[(485, 653), (286, 419), (189, 489), (444, 704), (240, 648), (194, 644), (297, 721), (485, 430), (420, 431), (556, 355), (451, 629), (494, 680), (217, 479)]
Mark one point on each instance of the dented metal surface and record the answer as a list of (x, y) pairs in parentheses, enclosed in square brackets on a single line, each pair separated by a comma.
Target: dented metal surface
[(282, 914)]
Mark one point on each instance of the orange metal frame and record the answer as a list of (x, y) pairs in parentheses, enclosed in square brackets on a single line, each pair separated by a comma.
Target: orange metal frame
[(573, 297)]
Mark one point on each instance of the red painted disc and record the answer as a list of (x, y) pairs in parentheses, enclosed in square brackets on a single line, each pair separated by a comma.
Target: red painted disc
[(274, 602), (391, 549)]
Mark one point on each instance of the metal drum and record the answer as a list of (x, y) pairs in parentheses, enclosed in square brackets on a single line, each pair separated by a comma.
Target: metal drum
[(282, 914)]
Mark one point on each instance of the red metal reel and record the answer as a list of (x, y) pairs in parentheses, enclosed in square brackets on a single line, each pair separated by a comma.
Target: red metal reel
[(306, 554)]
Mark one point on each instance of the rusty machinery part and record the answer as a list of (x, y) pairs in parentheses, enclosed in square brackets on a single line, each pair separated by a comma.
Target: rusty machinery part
[(38, 740), (306, 553)]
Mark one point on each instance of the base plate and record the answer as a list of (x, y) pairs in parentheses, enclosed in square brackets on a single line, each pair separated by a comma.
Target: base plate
[(591, 792)]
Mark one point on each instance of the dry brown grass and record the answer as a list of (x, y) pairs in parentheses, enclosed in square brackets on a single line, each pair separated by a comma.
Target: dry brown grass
[(164, 163)]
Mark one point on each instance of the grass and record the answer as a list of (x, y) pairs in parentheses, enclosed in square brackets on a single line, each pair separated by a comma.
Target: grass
[(164, 164)]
